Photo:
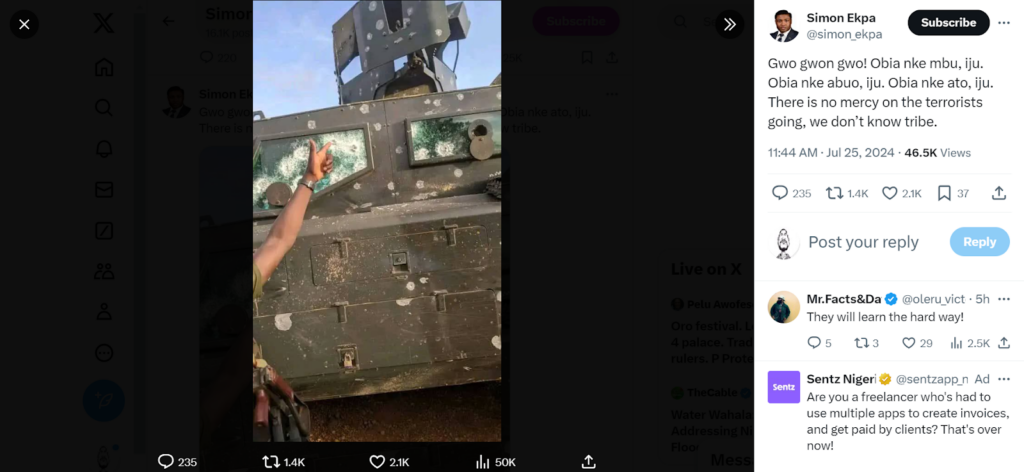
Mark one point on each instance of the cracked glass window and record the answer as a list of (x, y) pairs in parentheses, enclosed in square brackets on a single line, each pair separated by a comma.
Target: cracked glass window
[(284, 161), (447, 139)]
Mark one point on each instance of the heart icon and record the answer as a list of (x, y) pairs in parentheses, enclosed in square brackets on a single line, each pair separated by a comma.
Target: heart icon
[(377, 461), (889, 192), (909, 342)]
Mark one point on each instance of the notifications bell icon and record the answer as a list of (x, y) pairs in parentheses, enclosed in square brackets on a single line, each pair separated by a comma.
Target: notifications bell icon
[(104, 149)]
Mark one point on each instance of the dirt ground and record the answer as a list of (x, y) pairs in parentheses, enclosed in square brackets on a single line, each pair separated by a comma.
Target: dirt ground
[(466, 413)]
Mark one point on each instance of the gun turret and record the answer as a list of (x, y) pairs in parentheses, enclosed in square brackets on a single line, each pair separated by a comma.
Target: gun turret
[(380, 32)]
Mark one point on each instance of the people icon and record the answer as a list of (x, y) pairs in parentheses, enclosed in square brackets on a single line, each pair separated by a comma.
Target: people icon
[(104, 315), (103, 272)]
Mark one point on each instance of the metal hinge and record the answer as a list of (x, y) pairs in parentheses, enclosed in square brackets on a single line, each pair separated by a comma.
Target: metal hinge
[(342, 311), (450, 233), (439, 300)]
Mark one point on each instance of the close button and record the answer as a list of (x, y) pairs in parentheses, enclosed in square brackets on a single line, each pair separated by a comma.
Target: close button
[(24, 24)]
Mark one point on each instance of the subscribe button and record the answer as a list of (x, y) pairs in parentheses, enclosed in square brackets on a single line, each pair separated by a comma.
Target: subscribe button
[(979, 241), (575, 21), (948, 22)]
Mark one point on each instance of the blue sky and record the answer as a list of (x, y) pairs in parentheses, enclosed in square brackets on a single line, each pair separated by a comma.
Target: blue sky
[(293, 61)]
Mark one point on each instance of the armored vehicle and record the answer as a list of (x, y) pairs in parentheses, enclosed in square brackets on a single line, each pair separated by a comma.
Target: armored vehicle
[(395, 280)]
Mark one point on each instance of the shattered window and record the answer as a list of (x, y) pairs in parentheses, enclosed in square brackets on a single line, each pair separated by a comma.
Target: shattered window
[(285, 160), (448, 139)]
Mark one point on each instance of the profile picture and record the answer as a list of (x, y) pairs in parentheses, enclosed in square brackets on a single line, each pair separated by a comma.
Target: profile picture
[(784, 307), (176, 100), (785, 244), (784, 31)]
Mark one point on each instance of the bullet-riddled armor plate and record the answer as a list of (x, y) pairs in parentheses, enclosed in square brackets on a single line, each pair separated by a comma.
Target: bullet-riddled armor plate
[(393, 29), (394, 282), (379, 32)]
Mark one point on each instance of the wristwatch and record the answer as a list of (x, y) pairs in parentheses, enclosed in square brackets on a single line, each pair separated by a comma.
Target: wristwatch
[(308, 183)]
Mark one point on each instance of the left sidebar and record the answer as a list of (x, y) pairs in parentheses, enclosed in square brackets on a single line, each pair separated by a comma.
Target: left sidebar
[(69, 238), (106, 175), (108, 311)]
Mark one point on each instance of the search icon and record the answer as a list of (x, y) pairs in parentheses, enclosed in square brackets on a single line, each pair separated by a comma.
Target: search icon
[(160, 460), (103, 107), (814, 342), (680, 20)]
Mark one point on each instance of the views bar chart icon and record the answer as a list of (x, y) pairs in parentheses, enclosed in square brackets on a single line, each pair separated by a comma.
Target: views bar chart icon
[(956, 344), (482, 463)]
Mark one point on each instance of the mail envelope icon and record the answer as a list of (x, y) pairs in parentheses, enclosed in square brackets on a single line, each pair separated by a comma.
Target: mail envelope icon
[(104, 190)]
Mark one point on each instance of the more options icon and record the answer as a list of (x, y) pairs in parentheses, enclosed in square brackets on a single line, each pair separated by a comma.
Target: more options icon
[(104, 353)]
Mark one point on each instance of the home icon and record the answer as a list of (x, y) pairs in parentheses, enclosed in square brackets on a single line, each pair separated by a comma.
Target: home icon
[(104, 68)]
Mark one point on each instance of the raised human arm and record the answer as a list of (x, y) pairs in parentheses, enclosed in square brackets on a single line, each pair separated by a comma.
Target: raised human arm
[(286, 229)]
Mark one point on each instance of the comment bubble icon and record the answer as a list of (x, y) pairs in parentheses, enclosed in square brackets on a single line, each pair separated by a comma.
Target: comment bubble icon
[(780, 191)]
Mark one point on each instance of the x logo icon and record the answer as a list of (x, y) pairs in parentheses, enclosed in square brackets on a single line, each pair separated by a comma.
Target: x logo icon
[(24, 24), (104, 25)]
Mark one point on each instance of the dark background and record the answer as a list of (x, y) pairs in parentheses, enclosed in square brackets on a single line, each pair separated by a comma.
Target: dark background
[(661, 170), (661, 174)]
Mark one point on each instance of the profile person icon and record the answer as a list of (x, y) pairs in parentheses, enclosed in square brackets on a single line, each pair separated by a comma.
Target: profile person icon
[(783, 245), (104, 315), (784, 25), (176, 98), (103, 458)]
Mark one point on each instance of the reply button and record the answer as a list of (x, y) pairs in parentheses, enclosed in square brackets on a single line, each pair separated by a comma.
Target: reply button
[(979, 241)]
